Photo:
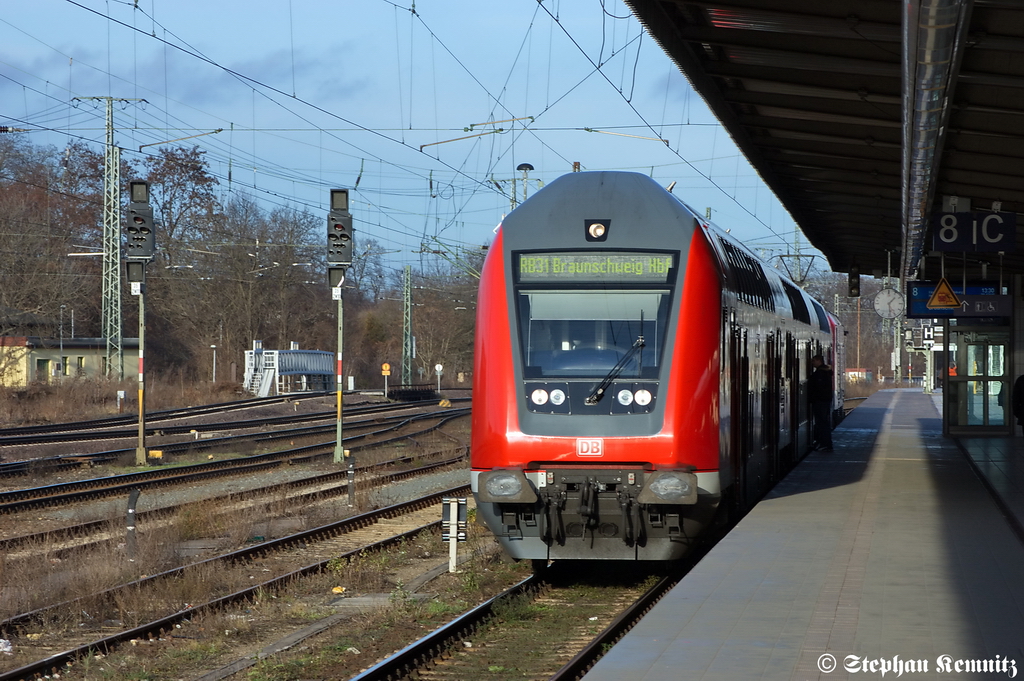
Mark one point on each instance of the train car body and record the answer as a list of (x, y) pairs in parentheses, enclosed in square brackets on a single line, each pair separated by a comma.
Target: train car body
[(634, 366)]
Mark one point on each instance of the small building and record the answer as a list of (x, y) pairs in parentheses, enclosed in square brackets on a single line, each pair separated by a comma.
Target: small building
[(285, 372), (29, 359), (860, 375)]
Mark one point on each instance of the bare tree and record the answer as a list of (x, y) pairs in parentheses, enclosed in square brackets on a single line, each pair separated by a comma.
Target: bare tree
[(47, 210)]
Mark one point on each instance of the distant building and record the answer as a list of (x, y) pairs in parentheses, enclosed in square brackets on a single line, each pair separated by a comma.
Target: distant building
[(29, 359), (860, 375), (284, 372)]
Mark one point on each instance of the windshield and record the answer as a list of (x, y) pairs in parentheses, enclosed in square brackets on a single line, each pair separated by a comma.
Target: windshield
[(585, 333)]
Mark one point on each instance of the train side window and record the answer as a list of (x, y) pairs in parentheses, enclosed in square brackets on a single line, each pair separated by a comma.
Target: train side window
[(822, 317)]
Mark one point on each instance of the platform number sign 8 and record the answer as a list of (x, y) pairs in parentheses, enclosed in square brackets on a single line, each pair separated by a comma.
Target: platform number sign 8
[(962, 232)]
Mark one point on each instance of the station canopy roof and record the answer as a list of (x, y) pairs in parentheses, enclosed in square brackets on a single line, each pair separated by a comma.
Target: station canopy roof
[(860, 122)]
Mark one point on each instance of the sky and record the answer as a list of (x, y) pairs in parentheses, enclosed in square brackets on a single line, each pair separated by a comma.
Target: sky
[(424, 110)]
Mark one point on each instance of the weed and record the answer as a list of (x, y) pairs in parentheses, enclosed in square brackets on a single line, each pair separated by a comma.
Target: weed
[(199, 521), (437, 609), (516, 608), (399, 595), (470, 580), (193, 653)]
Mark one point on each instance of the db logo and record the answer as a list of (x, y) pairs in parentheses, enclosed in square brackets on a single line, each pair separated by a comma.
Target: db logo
[(589, 447)]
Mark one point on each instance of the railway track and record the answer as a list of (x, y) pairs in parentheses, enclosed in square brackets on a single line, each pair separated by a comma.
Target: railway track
[(156, 416), (83, 432), (554, 625), (287, 558), (72, 492), (59, 543), (549, 626)]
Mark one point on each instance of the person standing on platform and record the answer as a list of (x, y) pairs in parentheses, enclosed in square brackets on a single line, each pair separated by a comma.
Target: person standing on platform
[(1018, 400), (819, 389)]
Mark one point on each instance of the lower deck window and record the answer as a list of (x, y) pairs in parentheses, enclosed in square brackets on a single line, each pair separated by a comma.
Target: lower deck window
[(584, 333)]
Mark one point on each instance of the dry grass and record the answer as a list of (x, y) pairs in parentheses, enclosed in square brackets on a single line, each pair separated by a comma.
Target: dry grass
[(40, 578), (44, 579), (82, 399), (214, 639)]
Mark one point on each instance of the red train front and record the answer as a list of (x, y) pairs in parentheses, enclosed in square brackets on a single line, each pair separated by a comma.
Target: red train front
[(599, 428)]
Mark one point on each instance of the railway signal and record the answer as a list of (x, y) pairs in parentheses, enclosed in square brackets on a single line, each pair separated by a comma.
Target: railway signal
[(854, 283), (140, 248), (141, 237), (339, 258), (339, 230)]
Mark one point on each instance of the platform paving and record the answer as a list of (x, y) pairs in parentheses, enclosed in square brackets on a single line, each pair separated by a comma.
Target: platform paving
[(886, 559)]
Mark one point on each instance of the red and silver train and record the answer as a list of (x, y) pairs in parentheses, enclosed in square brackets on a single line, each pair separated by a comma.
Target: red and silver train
[(635, 369)]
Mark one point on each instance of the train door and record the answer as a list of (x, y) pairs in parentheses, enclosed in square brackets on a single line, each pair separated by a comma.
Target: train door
[(803, 372), (739, 406), (752, 378), (772, 407), (791, 423)]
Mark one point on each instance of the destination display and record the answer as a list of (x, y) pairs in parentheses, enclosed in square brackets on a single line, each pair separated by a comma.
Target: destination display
[(595, 266), (937, 299)]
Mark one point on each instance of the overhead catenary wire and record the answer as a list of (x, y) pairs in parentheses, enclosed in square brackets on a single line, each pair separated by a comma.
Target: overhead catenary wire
[(465, 186), (641, 117)]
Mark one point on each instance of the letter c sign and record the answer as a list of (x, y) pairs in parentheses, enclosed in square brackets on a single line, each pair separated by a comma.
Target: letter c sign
[(589, 447)]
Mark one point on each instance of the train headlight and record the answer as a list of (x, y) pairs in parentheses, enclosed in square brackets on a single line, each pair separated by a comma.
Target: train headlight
[(643, 397), (557, 397), (669, 487), (539, 397), (505, 486), (625, 398)]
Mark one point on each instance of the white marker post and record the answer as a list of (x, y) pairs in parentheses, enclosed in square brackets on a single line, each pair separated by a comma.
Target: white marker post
[(454, 523)]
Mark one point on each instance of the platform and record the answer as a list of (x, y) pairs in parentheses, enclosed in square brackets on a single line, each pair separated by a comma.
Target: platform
[(888, 552)]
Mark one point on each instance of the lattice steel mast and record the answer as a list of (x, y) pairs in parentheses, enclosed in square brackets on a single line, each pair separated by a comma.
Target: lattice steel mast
[(407, 326), (110, 318)]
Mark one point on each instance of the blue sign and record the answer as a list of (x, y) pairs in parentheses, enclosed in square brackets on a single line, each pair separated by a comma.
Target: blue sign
[(974, 232), (977, 300)]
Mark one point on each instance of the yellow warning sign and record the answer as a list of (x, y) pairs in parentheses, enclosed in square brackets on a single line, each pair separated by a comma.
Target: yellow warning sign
[(943, 297)]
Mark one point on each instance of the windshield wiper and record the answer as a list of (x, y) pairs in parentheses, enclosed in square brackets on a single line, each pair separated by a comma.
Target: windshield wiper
[(598, 393)]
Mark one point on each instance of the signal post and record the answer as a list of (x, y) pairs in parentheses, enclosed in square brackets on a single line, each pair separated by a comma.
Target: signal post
[(339, 259)]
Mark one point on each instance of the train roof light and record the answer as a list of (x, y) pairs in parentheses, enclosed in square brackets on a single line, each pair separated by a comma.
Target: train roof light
[(597, 230)]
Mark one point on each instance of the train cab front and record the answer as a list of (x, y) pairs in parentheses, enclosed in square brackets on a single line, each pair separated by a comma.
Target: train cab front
[(586, 444)]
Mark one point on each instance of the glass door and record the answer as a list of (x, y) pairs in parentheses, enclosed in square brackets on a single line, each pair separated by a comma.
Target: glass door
[(978, 389)]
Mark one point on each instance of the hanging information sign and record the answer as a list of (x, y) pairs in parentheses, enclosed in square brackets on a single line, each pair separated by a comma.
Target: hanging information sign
[(938, 299)]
